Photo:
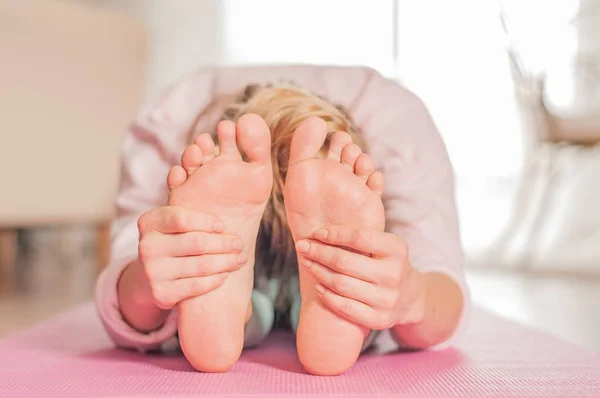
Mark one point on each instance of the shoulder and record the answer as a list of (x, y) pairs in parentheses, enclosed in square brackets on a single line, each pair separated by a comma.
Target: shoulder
[(179, 104), (397, 125)]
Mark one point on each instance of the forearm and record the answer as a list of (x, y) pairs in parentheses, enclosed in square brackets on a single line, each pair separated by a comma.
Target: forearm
[(135, 300), (443, 308)]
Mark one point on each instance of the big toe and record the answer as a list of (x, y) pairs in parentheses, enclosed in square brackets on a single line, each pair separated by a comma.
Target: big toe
[(308, 139), (254, 138)]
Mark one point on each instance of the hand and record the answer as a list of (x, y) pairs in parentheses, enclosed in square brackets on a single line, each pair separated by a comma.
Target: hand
[(365, 276), (183, 253)]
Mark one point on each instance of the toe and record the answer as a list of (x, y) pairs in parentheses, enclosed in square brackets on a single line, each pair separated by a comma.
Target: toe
[(254, 138), (308, 139), (227, 139), (350, 155), (207, 145), (376, 182), (338, 142), (191, 158), (176, 177), (364, 167)]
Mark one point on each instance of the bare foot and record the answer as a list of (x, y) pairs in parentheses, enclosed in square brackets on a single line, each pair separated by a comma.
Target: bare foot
[(211, 326), (343, 189)]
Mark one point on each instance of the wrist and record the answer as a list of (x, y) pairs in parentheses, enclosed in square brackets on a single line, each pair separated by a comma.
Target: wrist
[(417, 290), (136, 302), (133, 286), (442, 306), (412, 331)]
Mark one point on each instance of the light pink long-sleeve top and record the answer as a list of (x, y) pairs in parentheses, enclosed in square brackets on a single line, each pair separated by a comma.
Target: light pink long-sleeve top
[(398, 130)]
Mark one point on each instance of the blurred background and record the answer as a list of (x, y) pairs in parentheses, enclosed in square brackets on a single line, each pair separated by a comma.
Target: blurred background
[(513, 86)]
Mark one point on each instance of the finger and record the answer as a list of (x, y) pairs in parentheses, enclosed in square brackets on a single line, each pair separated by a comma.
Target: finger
[(355, 265), (188, 244), (346, 286), (168, 294), (174, 219), (168, 269), (364, 240), (352, 310)]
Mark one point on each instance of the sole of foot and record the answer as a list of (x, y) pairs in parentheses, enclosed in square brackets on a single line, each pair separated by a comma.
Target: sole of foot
[(211, 326), (341, 189)]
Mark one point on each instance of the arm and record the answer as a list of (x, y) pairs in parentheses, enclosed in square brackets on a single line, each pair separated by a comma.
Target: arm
[(172, 265), (133, 290), (152, 144), (135, 298), (145, 159), (375, 285), (443, 307), (431, 306), (420, 208)]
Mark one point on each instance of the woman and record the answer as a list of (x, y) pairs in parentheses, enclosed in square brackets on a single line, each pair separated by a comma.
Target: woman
[(290, 194)]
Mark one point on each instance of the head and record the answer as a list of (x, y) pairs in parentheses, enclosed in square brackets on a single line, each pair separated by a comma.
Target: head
[(284, 107)]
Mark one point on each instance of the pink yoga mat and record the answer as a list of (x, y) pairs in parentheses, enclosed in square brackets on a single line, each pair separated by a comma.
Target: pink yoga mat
[(70, 356)]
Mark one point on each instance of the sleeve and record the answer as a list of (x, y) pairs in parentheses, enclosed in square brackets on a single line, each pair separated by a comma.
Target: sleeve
[(419, 195), (152, 144)]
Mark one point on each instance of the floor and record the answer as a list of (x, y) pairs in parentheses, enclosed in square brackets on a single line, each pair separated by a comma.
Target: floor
[(567, 307), (55, 270), (52, 276)]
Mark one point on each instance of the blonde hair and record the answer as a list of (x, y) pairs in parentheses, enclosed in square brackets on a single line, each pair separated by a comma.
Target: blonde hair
[(283, 107)]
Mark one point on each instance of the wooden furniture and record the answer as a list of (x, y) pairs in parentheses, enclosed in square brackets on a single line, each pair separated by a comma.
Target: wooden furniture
[(71, 79)]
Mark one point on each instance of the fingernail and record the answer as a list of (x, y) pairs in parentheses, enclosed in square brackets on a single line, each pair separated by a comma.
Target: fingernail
[(322, 234), (224, 275), (219, 226), (238, 244), (302, 246), (307, 263), (320, 288), (242, 258)]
